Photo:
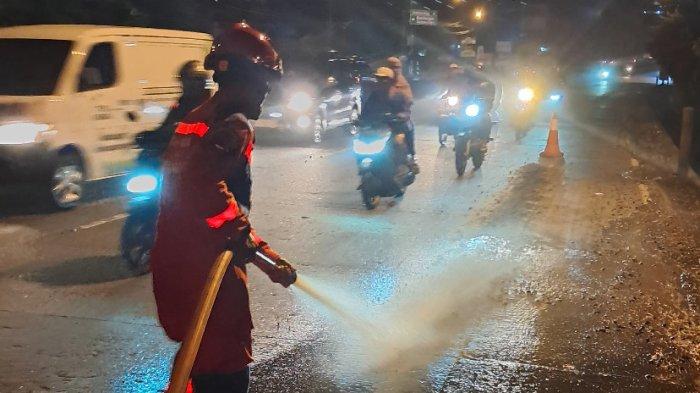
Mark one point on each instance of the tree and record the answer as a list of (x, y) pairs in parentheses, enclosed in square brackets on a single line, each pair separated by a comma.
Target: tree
[(21, 12), (676, 47)]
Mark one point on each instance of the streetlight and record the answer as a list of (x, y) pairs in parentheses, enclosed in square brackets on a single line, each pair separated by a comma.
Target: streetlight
[(479, 14)]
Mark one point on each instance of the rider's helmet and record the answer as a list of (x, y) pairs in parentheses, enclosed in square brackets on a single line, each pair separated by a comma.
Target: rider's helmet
[(384, 73), (193, 77), (242, 48)]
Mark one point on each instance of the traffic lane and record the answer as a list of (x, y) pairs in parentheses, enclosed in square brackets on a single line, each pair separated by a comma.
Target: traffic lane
[(25, 212)]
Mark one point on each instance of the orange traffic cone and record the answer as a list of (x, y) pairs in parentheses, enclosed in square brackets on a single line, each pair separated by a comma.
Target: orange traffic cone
[(552, 149)]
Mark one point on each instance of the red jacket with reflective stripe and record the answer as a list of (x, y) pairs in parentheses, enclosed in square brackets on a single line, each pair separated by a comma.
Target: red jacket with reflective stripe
[(197, 219)]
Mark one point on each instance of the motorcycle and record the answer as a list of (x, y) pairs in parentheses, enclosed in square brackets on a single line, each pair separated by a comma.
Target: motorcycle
[(143, 187), (382, 162), (469, 120), (526, 108)]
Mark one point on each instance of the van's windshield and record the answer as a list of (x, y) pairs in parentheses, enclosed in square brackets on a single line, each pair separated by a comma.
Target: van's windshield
[(31, 66)]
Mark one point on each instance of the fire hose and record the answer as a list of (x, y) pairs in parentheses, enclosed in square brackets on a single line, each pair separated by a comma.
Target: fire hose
[(185, 358)]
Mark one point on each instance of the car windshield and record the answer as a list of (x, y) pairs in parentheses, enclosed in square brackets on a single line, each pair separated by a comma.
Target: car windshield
[(31, 66)]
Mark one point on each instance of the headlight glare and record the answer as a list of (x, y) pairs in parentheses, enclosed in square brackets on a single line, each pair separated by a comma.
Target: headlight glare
[(300, 102), (526, 94), (452, 100), (472, 110), (142, 184), (19, 133), (369, 148), (303, 121)]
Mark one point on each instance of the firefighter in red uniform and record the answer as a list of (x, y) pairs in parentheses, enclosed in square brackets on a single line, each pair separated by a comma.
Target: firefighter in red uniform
[(204, 204)]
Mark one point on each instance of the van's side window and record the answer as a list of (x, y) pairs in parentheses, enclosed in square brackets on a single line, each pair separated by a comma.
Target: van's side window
[(99, 70)]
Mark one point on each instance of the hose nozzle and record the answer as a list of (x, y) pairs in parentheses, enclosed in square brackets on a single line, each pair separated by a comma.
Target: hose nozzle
[(280, 272)]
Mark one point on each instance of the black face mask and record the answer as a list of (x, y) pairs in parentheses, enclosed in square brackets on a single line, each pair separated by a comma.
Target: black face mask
[(193, 86)]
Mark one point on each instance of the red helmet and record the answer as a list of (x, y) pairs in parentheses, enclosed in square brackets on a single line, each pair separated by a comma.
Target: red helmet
[(239, 43)]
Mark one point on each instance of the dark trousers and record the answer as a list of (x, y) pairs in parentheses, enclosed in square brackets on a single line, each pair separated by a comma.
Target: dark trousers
[(222, 383), (410, 138)]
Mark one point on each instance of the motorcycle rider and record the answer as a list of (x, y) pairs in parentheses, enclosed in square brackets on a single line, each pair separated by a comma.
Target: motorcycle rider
[(206, 194), (401, 96), (193, 78), (377, 105), (379, 108)]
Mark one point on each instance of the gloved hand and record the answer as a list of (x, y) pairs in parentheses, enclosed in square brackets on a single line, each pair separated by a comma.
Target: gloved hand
[(277, 268), (240, 241), (243, 250)]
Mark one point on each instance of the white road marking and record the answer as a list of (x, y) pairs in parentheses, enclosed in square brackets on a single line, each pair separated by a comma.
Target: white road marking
[(18, 233), (97, 223), (644, 192), (10, 229)]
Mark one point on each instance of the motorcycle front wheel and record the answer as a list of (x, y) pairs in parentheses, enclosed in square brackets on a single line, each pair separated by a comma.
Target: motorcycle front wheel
[(461, 156), (136, 242), (370, 200), (477, 154)]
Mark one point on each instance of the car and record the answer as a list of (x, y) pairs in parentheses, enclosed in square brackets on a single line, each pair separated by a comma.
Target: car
[(73, 97), (313, 106)]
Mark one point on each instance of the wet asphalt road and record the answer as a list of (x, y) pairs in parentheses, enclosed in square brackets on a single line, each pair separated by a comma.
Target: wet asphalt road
[(524, 276)]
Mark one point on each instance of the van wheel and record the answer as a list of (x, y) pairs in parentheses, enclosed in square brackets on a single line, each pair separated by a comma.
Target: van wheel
[(354, 117), (319, 129), (66, 183)]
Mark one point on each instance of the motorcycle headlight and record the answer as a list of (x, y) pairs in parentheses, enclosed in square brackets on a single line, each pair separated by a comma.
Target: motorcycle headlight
[(526, 94), (367, 148), (555, 97), (472, 110), (300, 102), (19, 133), (142, 184), (452, 100)]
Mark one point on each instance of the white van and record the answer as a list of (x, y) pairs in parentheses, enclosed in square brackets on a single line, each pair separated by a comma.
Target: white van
[(72, 98)]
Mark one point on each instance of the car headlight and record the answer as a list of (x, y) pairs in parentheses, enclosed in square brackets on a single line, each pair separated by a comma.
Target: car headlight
[(303, 121), (526, 94), (19, 133), (368, 148), (142, 184), (300, 102), (472, 110), (452, 100)]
